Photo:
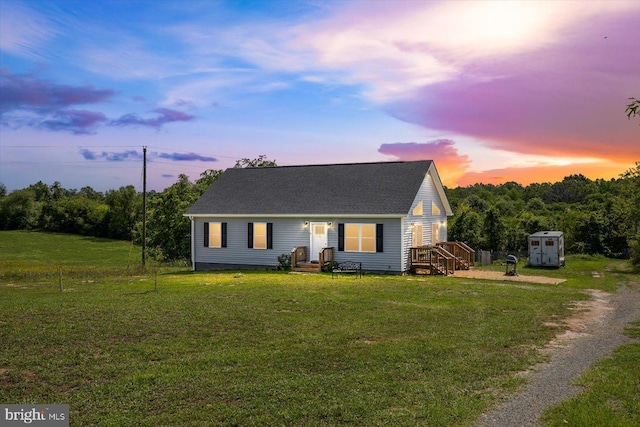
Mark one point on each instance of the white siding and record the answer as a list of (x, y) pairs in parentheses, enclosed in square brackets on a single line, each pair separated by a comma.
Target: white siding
[(427, 194), (287, 233), (291, 232), (390, 260)]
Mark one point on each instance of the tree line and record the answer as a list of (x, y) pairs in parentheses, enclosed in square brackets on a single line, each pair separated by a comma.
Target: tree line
[(597, 216), (114, 214)]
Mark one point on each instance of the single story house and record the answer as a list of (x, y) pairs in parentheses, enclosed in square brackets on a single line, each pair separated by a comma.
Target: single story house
[(363, 212)]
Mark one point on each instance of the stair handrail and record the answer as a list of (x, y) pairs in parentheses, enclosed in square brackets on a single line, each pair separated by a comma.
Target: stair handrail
[(325, 255), (472, 253), (298, 253)]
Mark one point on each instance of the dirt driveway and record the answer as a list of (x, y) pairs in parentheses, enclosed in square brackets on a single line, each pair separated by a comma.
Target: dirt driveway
[(497, 275), (594, 332)]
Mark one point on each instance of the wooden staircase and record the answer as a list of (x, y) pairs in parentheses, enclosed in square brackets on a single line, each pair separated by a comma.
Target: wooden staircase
[(432, 260), (307, 267), (442, 259), (300, 264), (463, 254)]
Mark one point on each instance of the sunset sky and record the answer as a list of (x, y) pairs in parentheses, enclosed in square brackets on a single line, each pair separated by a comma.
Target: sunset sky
[(526, 91)]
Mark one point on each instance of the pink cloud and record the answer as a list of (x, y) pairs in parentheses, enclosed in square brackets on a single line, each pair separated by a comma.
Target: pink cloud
[(449, 163), (165, 115), (25, 92), (567, 99), (75, 121)]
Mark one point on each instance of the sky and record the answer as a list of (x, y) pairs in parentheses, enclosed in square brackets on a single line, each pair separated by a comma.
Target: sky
[(492, 91)]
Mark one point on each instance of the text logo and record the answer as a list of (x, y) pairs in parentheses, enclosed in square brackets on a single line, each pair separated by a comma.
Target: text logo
[(35, 415)]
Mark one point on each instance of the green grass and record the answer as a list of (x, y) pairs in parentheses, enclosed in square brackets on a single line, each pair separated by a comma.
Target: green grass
[(35, 256), (66, 249), (580, 272), (256, 348)]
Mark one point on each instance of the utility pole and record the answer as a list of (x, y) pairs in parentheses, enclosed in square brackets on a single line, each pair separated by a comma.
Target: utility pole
[(144, 204)]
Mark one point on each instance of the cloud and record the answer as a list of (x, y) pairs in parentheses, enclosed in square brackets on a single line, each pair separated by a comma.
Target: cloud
[(566, 100), (23, 92), (188, 157), (41, 104), (136, 155), (47, 106), (76, 121), (165, 115), (167, 175), (111, 156), (23, 32), (449, 163), (394, 48)]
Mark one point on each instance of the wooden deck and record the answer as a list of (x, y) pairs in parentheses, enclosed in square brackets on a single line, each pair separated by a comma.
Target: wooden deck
[(442, 259)]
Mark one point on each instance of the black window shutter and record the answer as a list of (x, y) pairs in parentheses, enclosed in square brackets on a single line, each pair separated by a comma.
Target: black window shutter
[(223, 231), (379, 238), (206, 234), (269, 235), (250, 236), (341, 237)]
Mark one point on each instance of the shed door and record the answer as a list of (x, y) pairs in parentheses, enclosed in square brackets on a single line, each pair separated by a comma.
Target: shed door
[(535, 252), (318, 239), (549, 252)]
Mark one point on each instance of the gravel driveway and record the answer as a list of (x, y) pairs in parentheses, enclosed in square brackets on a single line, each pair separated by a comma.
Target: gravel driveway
[(592, 334)]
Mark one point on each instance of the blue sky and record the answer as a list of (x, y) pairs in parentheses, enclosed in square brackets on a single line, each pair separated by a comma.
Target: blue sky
[(492, 91)]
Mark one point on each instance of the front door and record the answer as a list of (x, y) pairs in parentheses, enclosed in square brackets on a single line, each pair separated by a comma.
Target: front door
[(319, 240)]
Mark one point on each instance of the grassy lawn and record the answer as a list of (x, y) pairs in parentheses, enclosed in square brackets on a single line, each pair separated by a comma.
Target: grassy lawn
[(256, 348)]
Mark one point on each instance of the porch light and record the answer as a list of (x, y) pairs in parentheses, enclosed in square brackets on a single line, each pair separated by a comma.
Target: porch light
[(306, 224), (330, 224)]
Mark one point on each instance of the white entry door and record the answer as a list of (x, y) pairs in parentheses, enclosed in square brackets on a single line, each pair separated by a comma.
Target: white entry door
[(319, 240)]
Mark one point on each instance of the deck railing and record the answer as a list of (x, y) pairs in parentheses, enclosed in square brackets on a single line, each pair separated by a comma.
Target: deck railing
[(433, 258)]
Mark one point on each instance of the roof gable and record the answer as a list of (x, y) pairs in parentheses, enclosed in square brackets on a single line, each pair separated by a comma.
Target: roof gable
[(387, 188)]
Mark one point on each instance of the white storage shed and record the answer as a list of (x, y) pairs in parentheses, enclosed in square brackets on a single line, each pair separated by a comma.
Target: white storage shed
[(546, 249)]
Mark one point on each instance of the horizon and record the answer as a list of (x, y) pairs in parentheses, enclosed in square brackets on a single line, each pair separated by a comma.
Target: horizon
[(619, 176), (492, 92)]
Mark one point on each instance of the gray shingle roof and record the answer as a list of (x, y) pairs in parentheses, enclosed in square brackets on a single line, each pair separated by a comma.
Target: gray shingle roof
[(387, 188)]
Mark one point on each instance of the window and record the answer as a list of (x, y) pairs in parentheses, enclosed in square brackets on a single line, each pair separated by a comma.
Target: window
[(535, 243), (418, 210), (416, 235), (215, 234), (435, 233), (548, 243), (360, 237), (260, 235), (435, 210)]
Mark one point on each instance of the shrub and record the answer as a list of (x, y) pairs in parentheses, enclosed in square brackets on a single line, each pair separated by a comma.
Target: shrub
[(284, 262)]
